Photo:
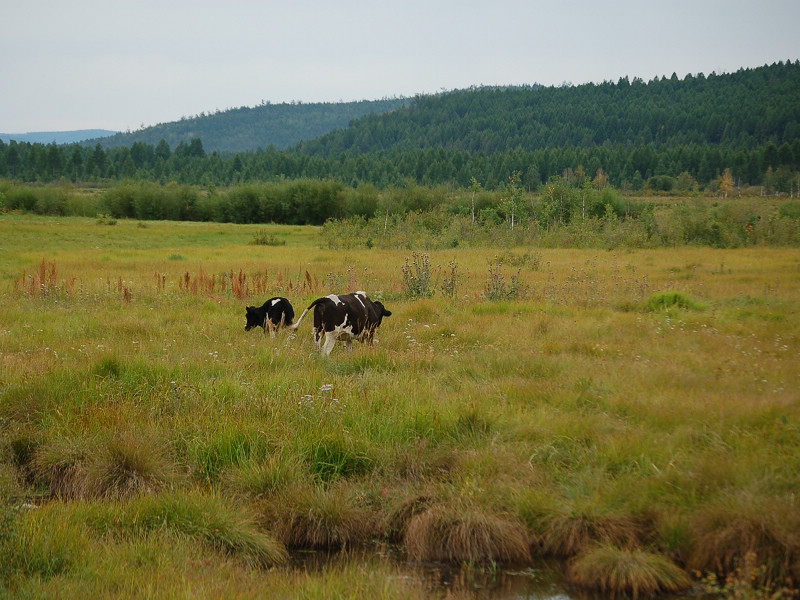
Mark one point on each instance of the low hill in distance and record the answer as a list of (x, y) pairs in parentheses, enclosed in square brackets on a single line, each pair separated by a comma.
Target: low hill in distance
[(244, 129), (58, 137)]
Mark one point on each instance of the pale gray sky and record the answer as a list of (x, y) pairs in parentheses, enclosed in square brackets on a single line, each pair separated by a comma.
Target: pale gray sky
[(110, 64)]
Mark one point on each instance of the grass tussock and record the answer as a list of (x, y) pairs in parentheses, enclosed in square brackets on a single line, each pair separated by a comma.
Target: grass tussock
[(116, 467), (617, 572), (398, 518), (455, 534), (767, 530), (319, 518), (60, 464), (566, 533), (129, 464)]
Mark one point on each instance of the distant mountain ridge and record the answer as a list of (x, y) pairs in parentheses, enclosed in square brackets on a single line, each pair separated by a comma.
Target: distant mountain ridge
[(244, 129), (59, 137)]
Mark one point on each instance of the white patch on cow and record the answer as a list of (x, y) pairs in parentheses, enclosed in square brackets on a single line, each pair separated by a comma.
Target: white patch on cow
[(335, 299), (330, 342), (343, 332), (358, 297), (274, 302)]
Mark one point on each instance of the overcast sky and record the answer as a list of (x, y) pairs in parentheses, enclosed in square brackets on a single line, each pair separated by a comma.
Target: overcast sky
[(121, 65)]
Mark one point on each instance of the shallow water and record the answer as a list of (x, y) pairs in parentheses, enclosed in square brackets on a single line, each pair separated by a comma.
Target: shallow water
[(544, 581)]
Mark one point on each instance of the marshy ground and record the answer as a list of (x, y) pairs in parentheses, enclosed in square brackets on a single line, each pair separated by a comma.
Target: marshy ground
[(633, 412)]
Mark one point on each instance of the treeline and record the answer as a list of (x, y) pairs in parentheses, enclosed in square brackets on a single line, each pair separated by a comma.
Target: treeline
[(656, 167)]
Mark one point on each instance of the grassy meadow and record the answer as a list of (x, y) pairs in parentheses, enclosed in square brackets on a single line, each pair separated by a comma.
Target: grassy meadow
[(634, 412)]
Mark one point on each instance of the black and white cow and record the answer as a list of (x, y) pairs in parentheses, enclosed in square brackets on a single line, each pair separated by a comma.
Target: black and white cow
[(275, 313), (347, 317)]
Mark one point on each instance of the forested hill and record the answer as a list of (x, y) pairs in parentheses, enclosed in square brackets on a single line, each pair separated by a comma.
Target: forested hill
[(744, 109), (243, 129), (665, 134)]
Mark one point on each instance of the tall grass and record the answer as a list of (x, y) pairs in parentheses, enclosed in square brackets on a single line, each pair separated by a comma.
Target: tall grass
[(638, 400)]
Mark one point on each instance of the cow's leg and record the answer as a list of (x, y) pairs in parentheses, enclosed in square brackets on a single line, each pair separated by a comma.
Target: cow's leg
[(349, 345), (330, 340), (317, 339)]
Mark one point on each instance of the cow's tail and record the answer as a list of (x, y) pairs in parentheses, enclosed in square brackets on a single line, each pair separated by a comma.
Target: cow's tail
[(296, 324)]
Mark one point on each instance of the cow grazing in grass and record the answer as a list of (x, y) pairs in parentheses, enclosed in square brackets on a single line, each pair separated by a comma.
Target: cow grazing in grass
[(275, 313), (347, 317)]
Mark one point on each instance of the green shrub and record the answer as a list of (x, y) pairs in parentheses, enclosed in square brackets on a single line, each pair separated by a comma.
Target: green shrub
[(264, 238)]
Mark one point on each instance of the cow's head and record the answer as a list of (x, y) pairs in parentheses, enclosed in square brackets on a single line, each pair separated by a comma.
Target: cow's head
[(254, 319), (382, 312)]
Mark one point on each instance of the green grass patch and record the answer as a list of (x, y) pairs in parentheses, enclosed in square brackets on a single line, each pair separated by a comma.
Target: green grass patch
[(667, 300)]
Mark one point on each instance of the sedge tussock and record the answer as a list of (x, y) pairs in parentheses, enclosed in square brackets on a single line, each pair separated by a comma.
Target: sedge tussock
[(627, 572), (122, 466), (60, 464), (724, 533), (447, 534), (401, 515), (314, 517), (567, 533), (131, 463)]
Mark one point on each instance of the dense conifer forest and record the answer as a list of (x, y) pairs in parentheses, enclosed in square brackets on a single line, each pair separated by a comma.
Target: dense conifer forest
[(685, 134)]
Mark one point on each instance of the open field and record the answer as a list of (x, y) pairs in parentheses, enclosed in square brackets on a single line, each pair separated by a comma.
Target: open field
[(607, 407)]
